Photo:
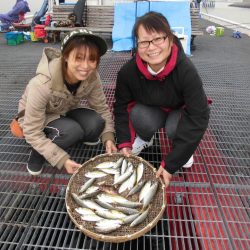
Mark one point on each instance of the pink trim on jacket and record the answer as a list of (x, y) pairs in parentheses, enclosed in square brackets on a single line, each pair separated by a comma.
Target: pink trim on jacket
[(131, 129)]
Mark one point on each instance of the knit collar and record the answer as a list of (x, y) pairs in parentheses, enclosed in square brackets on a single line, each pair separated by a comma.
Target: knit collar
[(170, 65)]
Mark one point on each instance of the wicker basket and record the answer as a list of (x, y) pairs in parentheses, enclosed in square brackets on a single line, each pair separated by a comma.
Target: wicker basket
[(125, 232)]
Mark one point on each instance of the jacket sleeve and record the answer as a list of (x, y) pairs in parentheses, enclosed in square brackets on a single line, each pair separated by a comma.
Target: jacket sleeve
[(193, 121), (123, 98), (34, 123), (98, 102)]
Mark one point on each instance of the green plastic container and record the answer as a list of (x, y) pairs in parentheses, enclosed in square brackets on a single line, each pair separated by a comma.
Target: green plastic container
[(14, 38), (219, 31)]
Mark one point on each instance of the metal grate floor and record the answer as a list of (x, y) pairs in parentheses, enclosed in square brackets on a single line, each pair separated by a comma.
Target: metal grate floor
[(208, 206)]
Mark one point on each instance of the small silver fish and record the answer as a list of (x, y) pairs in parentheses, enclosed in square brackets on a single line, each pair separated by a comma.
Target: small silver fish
[(150, 195), (127, 210), (92, 189), (118, 164), (129, 183), (130, 218), (108, 229), (124, 186), (110, 171), (91, 217), (95, 174), (106, 164), (84, 211), (132, 180), (130, 204), (90, 192), (139, 171), (130, 164), (124, 176), (104, 204), (92, 205), (136, 188), (144, 190), (140, 218), (86, 185), (110, 214), (107, 222), (124, 166), (116, 176), (111, 198), (78, 200)]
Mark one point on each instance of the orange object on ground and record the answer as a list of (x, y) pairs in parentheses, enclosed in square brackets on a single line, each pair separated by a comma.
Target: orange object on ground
[(15, 128)]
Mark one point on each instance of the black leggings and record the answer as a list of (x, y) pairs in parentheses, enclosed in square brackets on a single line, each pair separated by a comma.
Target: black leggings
[(78, 125), (147, 120)]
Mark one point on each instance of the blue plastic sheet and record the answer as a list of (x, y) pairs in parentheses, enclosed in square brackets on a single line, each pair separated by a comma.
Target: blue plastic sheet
[(124, 19), (177, 13)]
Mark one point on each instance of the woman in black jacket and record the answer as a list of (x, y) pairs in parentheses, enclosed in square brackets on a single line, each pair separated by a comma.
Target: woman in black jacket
[(160, 87)]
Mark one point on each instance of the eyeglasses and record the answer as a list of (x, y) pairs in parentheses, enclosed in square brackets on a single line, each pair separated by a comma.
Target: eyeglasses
[(155, 41)]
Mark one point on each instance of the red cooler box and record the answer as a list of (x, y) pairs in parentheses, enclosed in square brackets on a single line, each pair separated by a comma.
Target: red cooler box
[(39, 31)]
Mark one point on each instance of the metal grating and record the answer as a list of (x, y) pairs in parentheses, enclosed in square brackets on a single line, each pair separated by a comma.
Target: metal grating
[(208, 205)]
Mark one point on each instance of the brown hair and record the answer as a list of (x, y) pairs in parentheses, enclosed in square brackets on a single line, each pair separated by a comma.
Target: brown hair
[(78, 43), (153, 21)]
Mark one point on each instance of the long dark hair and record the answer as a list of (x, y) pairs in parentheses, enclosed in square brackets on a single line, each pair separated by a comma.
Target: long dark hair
[(153, 21), (78, 43)]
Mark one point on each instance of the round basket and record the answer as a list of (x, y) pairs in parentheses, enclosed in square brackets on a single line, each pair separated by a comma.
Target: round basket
[(125, 232)]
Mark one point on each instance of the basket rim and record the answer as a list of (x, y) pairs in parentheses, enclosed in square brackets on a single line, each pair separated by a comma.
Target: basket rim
[(109, 238)]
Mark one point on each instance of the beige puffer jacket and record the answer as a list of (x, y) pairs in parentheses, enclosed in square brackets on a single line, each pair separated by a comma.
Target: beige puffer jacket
[(46, 98)]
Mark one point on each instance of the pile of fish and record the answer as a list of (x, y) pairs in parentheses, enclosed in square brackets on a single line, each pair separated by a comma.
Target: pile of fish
[(109, 205)]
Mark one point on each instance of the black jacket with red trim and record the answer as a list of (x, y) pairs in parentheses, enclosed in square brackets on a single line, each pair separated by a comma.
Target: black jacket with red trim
[(182, 87)]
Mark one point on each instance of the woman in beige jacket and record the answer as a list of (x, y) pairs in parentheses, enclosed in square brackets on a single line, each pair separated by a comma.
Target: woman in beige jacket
[(51, 117)]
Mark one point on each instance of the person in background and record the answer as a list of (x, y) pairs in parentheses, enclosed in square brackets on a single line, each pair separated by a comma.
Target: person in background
[(160, 88), (19, 9), (50, 112)]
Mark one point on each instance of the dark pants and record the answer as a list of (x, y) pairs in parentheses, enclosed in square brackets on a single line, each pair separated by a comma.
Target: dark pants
[(79, 11), (147, 120), (78, 125)]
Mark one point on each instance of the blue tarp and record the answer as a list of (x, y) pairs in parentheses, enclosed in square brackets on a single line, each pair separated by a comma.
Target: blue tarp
[(177, 13), (124, 19)]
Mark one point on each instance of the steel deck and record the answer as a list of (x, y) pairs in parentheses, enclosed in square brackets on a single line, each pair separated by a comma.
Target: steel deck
[(207, 205)]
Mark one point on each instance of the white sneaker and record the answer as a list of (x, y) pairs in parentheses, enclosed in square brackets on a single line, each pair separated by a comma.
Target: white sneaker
[(189, 163), (92, 143), (140, 144)]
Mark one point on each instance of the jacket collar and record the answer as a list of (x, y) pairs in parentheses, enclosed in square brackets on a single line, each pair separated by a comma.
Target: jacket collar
[(56, 75)]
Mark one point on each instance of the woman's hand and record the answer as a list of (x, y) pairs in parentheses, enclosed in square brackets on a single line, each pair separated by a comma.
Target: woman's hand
[(126, 151), (165, 174), (71, 166), (110, 147)]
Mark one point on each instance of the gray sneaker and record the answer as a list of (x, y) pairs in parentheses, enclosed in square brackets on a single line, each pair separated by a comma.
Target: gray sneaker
[(140, 144), (189, 163)]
